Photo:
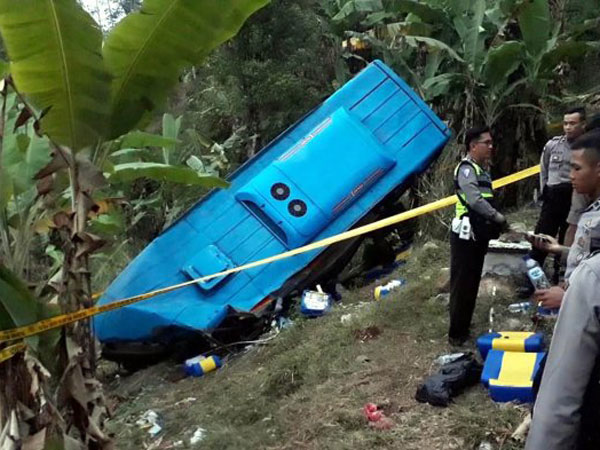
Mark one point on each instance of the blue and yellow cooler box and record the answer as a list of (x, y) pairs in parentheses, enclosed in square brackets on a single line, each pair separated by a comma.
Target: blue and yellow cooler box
[(509, 375), (511, 341)]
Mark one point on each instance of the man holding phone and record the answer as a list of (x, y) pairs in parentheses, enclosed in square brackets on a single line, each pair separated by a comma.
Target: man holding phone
[(585, 177)]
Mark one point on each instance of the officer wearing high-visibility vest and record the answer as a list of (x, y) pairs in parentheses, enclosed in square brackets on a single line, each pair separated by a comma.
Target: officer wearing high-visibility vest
[(476, 222)]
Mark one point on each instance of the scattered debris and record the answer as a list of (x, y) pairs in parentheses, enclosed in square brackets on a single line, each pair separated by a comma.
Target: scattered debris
[(363, 359), (514, 324), (198, 436), (346, 318), (448, 358), (282, 323), (521, 307), (430, 246), (520, 433), (376, 418), (494, 285), (315, 303), (200, 365), (443, 281), (186, 401), (485, 445), (442, 299), (150, 420), (367, 334), (382, 291)]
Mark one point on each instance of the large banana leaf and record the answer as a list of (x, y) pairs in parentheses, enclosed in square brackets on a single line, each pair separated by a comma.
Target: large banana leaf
[(500, 62), (17, 305), (358, 6), (569, 50), (54, 48), (429, 13), (147, 51), (25, 159), (137, 139), (163, 172), (436, 44), (534, 21), (467, 20)]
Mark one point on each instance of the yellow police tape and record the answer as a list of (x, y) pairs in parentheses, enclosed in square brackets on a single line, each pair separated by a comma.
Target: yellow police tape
[(11, 351), (65, 319)]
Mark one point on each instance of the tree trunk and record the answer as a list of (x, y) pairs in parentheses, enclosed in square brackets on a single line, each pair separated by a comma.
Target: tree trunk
[(80, 393)]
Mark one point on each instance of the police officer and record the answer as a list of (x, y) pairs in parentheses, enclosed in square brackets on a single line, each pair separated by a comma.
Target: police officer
[(585, 177), (476, 222), (565, 415), (580, 202), (555, 185)]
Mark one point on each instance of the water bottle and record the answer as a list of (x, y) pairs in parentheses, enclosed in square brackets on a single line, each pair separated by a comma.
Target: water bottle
[(200, 365), (521, 307), (449, 358), (382, 291), (535, 274)]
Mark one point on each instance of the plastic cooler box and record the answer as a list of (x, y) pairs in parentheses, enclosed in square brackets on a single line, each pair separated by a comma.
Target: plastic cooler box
[(509, 375), (512, 341), (315, 304)]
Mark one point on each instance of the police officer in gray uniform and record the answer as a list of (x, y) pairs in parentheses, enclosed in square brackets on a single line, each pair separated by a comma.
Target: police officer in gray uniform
[(566, 413), (475, 223), (566, 409), (587, 237), (579, 201), (555, 185)]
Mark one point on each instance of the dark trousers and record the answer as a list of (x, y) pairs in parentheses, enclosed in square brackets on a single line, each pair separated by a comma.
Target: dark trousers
[(556, 203), (466, 264)]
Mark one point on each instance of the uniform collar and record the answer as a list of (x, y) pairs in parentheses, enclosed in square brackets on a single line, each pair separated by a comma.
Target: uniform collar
[(472, 161), (594, 206)]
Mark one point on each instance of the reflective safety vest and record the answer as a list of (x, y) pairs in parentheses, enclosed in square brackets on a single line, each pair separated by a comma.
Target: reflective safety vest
[(484, 181)]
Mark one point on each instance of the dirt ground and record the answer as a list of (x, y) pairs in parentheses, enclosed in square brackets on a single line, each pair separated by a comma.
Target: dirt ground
[(305, 389)]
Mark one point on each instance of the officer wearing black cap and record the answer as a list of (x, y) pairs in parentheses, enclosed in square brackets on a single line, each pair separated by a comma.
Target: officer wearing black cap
[(476, 222)]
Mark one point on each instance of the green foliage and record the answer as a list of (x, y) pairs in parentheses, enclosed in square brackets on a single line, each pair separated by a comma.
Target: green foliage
[(535, 25), (501, 62), (17, 305), (138, 139), (177, 34), (280, 65), (54, 48), (162, 172)]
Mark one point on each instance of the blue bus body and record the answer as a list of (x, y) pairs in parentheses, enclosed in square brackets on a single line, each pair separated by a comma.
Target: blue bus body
[(317, 179)]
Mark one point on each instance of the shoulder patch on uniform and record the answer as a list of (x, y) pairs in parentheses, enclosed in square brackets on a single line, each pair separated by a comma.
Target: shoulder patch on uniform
[(466, 171)]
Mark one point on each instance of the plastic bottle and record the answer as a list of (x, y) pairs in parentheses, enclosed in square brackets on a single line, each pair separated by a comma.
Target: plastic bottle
[(199, 365), (535, 274), (382, 291), (446, 359), (519, 307)]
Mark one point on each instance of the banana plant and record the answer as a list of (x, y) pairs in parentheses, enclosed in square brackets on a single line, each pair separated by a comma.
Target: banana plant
[(470, 49), (84, 90)]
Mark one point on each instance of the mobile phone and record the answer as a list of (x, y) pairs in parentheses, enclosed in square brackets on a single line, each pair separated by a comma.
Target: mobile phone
[(532, 236)]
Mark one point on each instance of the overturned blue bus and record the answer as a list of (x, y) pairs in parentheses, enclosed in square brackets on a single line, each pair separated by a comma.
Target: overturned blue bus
[(322, 176)]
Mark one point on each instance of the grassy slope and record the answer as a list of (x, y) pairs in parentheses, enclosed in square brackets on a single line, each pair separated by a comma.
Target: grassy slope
[(307, 387)]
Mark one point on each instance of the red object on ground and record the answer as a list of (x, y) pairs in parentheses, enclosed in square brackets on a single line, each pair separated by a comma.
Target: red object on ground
[(376, 417)]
